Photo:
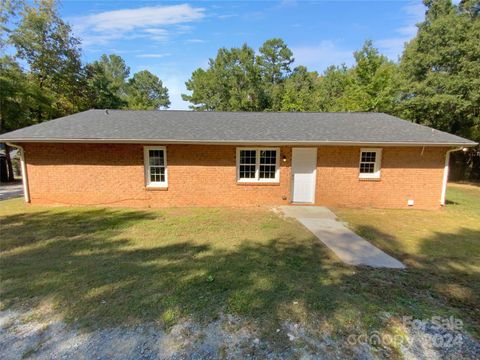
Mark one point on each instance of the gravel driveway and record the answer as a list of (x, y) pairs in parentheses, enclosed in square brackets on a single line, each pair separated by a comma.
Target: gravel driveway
[(24, 336)]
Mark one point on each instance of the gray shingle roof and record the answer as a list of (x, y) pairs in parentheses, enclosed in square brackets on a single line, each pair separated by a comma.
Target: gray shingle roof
[(233, 127)]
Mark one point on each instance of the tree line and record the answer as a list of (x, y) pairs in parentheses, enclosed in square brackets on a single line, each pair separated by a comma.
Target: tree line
[(436, 81)]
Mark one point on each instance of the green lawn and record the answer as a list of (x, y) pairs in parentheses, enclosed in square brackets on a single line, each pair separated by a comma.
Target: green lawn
[(104, 267), (440, 248)]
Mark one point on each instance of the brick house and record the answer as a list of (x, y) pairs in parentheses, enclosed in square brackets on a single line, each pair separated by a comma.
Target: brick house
[(184, 158)]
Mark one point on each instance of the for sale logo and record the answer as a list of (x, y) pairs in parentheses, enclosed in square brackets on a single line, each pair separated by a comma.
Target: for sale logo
[(442, 332)]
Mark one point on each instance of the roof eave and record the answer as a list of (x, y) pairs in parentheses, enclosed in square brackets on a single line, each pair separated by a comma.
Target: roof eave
[(237, 142)]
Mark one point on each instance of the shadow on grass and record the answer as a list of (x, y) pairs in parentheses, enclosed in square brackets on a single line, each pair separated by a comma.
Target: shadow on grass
[(96, 276), (445, 268)]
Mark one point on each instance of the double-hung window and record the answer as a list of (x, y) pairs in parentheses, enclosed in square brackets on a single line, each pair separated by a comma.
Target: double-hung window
[(258, 164), (155, 166), (370, 161)]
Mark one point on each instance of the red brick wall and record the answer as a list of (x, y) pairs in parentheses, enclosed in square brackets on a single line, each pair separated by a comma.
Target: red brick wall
[(406, 174), (205, 175)]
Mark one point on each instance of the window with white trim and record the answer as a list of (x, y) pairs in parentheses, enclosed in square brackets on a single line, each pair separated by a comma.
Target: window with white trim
[(258, 164), (155, 166), (370, 161)]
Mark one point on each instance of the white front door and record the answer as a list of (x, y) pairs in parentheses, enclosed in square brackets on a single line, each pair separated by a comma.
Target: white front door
[(304, 170)]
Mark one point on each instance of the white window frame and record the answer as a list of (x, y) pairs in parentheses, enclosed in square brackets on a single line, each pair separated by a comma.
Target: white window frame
[(257, 179), (146, 159), (377, 164)]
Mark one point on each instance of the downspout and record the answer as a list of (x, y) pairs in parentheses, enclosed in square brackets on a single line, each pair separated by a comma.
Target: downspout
[(23, 165), (445, 174)]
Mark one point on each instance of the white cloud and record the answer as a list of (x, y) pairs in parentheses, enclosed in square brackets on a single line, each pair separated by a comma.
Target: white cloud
[(416, 10), (195, 41), (288, 3), (226, 16), (415, 13), (409, 30), (176, 86), (322, 55), (155, 31), (157, 34), (155, 22), (173, 79), (129, 19), (153, 56), (393, 47), (184, 28)]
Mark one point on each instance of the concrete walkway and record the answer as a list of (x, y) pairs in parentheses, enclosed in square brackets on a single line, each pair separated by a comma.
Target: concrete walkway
[(348, 246)]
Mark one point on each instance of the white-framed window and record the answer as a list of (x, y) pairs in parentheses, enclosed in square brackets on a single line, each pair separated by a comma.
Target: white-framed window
[(370, 162), (155, 162), (258, 164)]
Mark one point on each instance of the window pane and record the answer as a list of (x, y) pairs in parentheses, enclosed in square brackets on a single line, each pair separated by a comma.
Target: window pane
[(268, 160), (155, 153), (156, 157), (267, 171), (268, 157), (247, 156), (247, 171), (369, 156), (157, 174), (367, 168)]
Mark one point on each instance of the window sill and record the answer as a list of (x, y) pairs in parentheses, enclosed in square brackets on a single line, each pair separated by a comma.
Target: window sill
[(369, 179), (258, 183), (156, 188)]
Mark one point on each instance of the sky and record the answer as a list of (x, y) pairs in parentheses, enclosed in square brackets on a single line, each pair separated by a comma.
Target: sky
[(172, 39)]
